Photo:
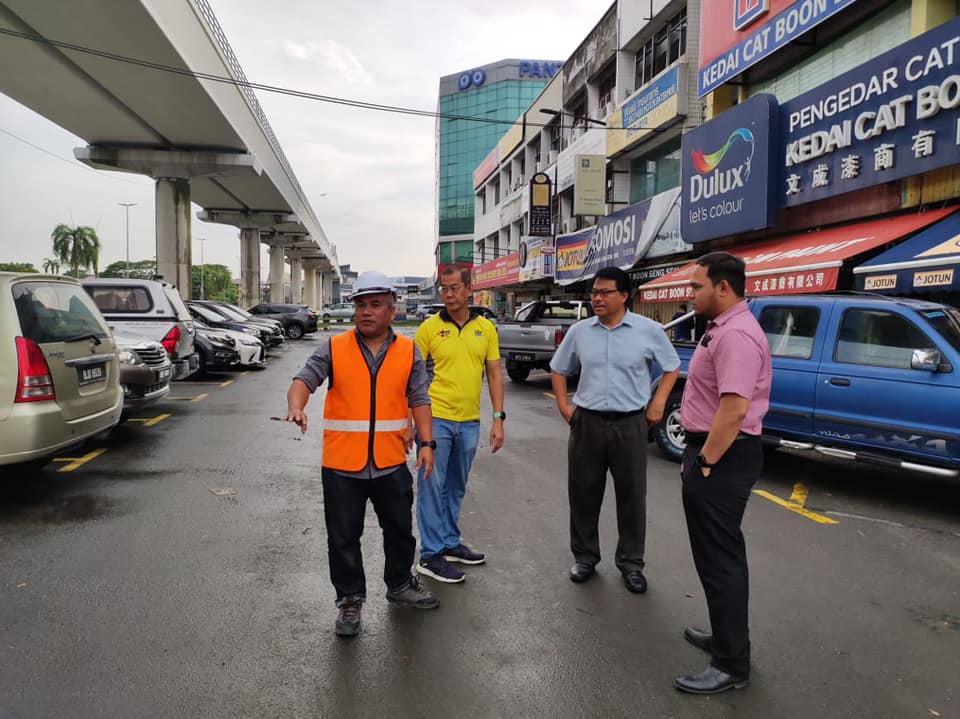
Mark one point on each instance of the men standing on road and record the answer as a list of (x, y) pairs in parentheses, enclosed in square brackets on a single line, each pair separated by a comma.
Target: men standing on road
[(374, 376), (724, 401), (457, 346), (608, 419)]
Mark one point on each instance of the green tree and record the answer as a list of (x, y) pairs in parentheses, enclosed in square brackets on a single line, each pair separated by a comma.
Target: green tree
[(78, 247), (141, 269), (51, 265), (17, 267), (217, 283)]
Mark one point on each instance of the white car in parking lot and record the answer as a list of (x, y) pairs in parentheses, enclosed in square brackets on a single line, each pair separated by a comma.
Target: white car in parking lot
[(251, 350)]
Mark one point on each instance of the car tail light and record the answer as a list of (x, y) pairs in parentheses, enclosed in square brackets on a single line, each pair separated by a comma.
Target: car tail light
[(34, 383), (171, 342), (558, 337), (310, 315)]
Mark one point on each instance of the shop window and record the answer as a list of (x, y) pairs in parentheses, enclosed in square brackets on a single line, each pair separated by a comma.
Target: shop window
[(655, 173), (666, 46)]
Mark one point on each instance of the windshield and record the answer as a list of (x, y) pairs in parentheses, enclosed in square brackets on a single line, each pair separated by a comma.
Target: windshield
[(208, 314), (56, 312), (946, 321), (231, 312)]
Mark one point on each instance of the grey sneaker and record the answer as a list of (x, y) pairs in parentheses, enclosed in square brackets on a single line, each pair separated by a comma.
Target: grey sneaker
[(412, 594), (348, 617)]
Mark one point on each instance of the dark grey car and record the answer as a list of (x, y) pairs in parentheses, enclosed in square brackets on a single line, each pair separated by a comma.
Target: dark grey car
[(297, 320)]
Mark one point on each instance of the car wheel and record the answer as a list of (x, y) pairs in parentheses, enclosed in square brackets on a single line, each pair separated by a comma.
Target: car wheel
[(326, 317), (294, 331), (669, 434), (518, 374), (202, 368)]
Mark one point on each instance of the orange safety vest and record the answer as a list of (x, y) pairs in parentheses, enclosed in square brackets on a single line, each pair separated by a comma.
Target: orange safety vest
[(350, 433)]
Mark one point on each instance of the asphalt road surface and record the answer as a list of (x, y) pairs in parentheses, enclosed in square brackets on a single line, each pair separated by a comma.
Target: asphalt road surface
[(182, 572)]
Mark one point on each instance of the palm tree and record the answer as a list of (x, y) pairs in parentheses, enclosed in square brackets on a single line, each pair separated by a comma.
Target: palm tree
[(51, 266), (77, 247)]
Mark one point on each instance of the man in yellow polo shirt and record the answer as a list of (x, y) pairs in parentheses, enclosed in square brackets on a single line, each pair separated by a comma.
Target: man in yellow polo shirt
[(457, 346)]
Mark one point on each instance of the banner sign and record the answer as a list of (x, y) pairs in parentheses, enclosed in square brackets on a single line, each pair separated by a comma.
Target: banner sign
[(496, 273), (535, 258), (735, 35), (725, 171), (541, 208), (486, 167), (887, 119), (646, 229), (593, 141), (650, 107)]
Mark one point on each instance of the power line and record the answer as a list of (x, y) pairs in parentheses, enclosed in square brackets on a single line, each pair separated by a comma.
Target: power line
[(276, 89), (75, 165)]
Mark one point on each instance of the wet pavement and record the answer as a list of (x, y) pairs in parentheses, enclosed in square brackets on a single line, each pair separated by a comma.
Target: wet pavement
[(182, 572)]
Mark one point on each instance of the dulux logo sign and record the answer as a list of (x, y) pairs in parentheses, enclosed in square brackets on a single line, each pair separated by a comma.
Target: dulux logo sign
[(710, 181), (726, 166)]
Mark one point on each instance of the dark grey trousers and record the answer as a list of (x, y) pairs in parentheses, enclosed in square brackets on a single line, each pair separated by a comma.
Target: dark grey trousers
[(598, 444)]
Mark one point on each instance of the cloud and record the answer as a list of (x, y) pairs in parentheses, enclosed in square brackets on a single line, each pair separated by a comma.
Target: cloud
[(330, 55)]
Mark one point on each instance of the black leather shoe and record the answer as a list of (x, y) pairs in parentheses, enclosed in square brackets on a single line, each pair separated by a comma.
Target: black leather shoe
[(699, 638), (581, 572), (635, 581), (710, 681)]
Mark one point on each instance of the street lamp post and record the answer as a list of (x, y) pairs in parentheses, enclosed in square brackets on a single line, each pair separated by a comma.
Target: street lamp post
[(127, 206)]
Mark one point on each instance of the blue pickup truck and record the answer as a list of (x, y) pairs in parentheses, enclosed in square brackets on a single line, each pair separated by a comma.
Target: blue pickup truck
[(858, 376)]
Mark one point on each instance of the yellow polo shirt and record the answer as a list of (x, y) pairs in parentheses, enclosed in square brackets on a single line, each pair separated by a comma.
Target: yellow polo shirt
[(456, 357)]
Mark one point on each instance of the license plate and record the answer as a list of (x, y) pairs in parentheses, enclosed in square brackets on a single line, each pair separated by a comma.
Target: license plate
[(92, 374), (522, 357), (164, 373)]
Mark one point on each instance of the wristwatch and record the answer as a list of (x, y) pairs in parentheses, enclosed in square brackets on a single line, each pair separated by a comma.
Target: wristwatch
[(703, 463), (432, 444), (499, 415)]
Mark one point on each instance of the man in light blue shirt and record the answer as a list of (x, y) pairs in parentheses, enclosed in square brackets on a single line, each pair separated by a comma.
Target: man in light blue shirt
[(613, 352)]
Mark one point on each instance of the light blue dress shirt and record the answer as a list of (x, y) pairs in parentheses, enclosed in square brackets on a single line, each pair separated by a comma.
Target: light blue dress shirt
[(615, 363)]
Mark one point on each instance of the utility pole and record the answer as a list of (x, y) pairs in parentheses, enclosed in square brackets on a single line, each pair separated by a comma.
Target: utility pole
[(127, 206), (203, 269)]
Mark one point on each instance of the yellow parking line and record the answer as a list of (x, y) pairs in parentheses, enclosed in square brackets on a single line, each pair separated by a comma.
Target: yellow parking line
[(79, 461), (227, 383), (156, 420), (199, 397), (551, 395), (244, 374), (795, 504)]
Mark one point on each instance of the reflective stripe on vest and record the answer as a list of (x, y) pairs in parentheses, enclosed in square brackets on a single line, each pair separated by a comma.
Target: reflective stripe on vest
[(349, 435)]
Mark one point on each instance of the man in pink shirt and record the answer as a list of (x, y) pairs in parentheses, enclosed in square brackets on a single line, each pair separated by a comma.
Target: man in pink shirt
[(724, 401)]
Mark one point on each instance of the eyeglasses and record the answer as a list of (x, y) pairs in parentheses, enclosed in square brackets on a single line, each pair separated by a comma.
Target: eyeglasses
[(603, 293), (450, 288)]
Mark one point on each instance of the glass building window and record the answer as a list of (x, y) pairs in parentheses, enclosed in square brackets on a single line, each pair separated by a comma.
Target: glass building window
[(662, 50), (655, 173)]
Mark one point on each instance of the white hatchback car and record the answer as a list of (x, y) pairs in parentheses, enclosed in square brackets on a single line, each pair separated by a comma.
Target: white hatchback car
[(59, 373)]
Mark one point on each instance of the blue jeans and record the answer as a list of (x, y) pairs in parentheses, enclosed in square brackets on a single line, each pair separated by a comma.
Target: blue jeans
[(440, 496)]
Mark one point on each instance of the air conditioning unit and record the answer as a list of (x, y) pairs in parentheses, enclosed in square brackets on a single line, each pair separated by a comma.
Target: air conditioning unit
[(569, 225)]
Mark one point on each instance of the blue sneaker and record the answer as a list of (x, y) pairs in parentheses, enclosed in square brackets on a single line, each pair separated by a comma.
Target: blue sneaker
[(436, 567), (463, 555)]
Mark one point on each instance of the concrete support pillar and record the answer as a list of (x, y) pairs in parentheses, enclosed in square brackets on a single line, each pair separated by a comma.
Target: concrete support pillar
[(321, 303), (328, 288), (277, 267), (310, 286), (296, 280), (249, 267), (173, 232)]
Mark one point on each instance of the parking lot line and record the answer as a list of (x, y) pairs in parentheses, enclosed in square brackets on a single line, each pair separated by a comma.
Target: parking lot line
[(79, 461), (156, 420), (227, 383), (795, 504), (199, 397)]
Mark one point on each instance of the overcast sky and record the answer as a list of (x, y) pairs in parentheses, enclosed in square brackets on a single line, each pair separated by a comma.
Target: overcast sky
[(369, 176)]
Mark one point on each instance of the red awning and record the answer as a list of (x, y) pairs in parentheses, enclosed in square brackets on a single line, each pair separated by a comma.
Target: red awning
[(808, 262)]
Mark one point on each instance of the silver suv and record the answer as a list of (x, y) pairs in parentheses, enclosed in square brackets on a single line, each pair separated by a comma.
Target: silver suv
[(148, 310), (59, 375)]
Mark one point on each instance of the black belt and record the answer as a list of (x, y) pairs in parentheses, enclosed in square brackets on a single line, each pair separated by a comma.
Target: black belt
[(614, 415), (701, 437)]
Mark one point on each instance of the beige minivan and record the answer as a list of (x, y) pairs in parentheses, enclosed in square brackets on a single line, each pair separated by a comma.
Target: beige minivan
[(59, 374)]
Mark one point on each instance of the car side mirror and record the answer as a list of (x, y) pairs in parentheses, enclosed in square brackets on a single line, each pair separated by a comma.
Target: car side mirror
[(925, 360)]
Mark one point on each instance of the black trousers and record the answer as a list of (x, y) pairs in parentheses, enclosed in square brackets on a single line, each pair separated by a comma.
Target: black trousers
[(598, 444), (344, 507), (714, 509)]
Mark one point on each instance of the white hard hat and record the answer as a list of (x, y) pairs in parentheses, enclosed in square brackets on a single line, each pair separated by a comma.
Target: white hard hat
[(373, 283)]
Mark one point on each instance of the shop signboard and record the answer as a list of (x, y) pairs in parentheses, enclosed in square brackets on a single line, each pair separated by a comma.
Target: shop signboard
[(736, 35), (652, 106), (725, 174), (533, 261), (541, 208), (496, 273), (887, 119)]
